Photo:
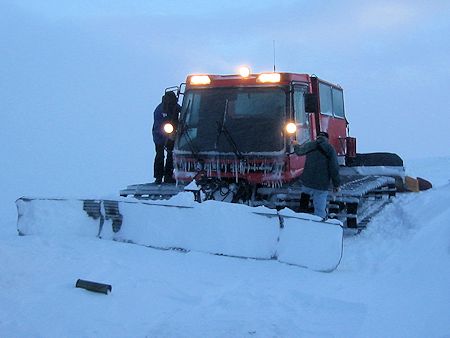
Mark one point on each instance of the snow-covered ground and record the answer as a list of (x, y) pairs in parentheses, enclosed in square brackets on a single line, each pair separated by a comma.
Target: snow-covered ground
[(393, 281)]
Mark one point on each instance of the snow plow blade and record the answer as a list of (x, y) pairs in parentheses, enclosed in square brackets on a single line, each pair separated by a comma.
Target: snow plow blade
[(211, 227)]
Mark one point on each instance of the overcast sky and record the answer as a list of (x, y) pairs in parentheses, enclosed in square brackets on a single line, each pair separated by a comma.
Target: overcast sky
[(79, 79)]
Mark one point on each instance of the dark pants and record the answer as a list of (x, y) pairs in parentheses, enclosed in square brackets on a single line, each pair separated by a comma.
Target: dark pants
[(159, 169)]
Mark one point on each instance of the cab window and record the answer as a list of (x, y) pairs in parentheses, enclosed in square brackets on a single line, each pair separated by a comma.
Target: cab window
[(301, 117), (338, 103), (326, 101), (331, 101)]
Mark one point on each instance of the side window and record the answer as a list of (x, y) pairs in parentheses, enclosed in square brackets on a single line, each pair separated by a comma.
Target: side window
[(338, 103), (301, 117), (326, 106)]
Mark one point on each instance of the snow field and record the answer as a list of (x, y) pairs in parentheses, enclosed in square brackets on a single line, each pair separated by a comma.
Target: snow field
[(392, 282)]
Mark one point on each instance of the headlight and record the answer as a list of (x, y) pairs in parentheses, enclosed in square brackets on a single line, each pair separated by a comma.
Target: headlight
[(291, 128), (168, 128)]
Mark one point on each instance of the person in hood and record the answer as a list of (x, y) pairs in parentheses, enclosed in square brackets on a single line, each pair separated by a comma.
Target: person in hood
[(321, 171), (166, 112)]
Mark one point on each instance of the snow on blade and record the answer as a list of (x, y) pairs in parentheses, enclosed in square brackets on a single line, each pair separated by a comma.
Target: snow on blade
[(313, 244), (54, 217), (210, 227)]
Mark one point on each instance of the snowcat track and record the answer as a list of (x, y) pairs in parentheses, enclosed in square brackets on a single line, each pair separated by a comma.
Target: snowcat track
[(349, 205)]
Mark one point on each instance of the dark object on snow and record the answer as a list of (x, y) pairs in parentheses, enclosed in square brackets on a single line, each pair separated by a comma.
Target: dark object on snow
[(93, 286)]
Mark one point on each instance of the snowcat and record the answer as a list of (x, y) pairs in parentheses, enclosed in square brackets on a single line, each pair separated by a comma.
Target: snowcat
[(235, 140), (233, 157)]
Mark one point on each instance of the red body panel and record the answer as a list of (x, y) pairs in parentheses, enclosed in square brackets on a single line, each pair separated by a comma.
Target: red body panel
[(337, 130)]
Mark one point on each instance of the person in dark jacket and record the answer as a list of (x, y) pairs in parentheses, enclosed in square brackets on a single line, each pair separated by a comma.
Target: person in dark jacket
[(321, 169), (166, 112)]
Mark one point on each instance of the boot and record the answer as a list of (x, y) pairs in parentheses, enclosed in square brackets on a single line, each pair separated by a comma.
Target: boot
[(169, 179)]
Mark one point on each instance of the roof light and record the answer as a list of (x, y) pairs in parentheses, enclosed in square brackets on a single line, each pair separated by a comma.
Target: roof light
[(269, 77), (200, 80), (291, 128), (244, 71)]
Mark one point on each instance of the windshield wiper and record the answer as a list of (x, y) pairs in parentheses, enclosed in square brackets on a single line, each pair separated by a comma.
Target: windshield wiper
[(222, 129)]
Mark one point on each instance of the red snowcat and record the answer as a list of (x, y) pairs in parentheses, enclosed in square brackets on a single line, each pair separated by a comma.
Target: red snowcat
[(234, 143), (235, 139)]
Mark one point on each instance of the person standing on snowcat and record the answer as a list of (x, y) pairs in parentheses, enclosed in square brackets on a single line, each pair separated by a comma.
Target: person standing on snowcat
[(321, 167), (165, 113)]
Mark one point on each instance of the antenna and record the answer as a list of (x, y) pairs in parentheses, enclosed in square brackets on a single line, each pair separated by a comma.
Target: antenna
[(274, 56)]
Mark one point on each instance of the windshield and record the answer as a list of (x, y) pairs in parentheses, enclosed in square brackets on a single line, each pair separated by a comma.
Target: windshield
[(243, 120)]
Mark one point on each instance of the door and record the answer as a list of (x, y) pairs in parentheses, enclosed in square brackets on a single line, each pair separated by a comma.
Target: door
[(301, 117), (303, 133)]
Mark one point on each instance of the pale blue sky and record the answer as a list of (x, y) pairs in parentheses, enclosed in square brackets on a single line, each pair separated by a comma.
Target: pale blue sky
[(80, 79), (101, 8)]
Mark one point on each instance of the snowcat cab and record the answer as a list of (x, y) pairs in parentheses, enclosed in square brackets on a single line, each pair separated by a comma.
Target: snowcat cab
[(237, 132)]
